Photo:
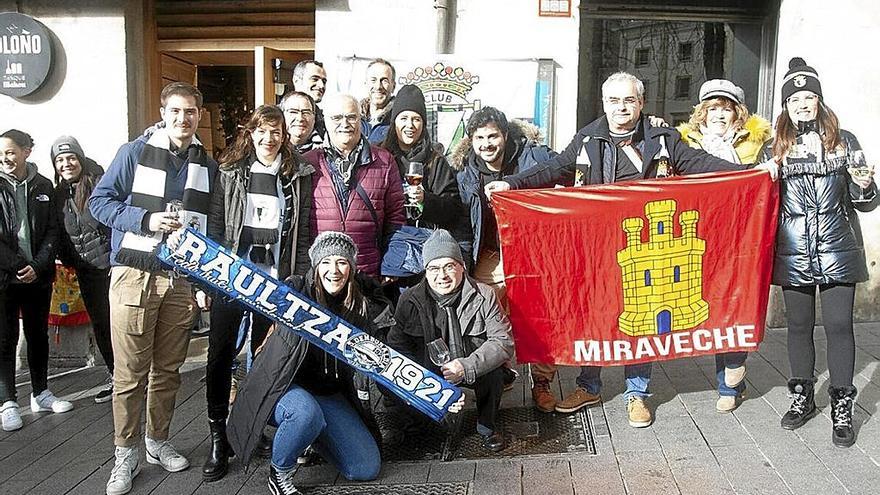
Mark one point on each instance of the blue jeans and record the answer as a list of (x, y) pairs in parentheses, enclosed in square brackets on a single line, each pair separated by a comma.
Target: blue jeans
[(331, 426), (729, 360), (638, 377)]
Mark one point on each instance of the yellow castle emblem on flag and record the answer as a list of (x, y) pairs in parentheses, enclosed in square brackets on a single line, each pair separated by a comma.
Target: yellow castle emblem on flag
[(662, 278)]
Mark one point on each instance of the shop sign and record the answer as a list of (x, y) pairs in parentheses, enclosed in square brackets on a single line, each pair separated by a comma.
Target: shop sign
[(25, 54)]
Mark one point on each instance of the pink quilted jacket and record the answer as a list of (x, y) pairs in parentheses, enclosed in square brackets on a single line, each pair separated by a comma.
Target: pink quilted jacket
[(383, 185)]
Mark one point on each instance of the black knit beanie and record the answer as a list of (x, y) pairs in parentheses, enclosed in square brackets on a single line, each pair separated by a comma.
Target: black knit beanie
[(800, 77), (410, 98)]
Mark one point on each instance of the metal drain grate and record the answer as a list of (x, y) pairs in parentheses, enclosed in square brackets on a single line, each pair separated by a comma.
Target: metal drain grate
[(528, 432), (420, 489)]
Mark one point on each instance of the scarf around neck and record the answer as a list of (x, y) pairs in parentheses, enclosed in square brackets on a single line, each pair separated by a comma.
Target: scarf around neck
[(264, 206), (148, 192), (720, 146)]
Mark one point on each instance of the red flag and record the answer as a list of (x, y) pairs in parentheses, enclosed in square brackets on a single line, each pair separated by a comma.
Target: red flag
[(639, 271)]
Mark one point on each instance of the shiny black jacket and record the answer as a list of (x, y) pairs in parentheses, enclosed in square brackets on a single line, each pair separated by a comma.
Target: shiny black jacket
[(44, 229), (818, 237), (83, 242)]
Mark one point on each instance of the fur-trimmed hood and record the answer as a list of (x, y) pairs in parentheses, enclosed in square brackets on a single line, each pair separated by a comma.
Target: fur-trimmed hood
[(520, 131), (748, 141)]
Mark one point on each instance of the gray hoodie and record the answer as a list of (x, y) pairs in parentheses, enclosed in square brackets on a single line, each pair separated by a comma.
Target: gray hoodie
[(20, 189)]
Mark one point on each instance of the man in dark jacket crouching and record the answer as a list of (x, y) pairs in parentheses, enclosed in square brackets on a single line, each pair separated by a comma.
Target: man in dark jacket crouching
[(451, 306)]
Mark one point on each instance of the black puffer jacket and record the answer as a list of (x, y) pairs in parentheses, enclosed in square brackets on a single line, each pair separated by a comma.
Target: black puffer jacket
[(276, 366), (43, 224), (818, 238), (83, 242)]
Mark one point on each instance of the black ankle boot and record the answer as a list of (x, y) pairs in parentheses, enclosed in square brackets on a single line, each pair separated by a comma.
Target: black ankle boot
[(217, 464), (842, 399), (803, 403)]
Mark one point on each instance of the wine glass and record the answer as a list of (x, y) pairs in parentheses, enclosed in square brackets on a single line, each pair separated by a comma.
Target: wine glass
[(414, 174), (438, 351), (859, 169)]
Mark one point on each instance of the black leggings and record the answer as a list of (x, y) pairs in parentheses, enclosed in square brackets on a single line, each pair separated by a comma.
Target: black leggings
[(94, 285), (837, 317)]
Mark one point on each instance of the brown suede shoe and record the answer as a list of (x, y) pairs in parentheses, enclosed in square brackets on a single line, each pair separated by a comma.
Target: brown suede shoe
[(543, 397), (638, 412), (579, 398)]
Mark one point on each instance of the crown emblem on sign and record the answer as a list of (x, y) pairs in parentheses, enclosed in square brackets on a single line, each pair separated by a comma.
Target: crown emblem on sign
[(441, 77)]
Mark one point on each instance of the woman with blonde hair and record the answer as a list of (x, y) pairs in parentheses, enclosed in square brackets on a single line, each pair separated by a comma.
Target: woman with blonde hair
[(722, 126)]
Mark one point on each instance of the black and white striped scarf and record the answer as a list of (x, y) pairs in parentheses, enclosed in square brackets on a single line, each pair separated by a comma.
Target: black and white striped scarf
[(264, 207), (148, 192)]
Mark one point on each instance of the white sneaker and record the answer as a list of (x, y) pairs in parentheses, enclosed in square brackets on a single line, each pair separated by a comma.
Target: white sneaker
[(47, 402), (127, 466), (163, 454), (10, 415)]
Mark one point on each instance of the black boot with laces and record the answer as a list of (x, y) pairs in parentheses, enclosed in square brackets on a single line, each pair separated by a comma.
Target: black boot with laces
[(281, 482), (803, 403), (842, 399)]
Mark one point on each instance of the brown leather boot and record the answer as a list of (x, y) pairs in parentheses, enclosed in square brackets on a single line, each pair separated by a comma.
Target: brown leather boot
[(543, 397)]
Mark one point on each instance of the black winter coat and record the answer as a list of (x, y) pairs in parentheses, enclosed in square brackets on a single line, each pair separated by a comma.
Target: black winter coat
[(818, 237), (276, 366), (599, 165), (83, 242), (442, 207), (44, 230)]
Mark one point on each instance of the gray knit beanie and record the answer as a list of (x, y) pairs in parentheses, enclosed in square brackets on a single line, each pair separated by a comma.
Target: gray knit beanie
[(67, 144), (333, 244), (441, 244)]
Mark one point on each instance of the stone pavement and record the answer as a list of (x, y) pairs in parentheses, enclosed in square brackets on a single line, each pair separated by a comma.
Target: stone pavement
[(690, 449)]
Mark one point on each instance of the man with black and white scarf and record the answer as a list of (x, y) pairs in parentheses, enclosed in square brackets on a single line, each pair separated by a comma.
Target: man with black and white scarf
[(157, 183)]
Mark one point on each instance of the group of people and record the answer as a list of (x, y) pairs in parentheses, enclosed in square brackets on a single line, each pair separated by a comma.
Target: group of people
[(313, 194)]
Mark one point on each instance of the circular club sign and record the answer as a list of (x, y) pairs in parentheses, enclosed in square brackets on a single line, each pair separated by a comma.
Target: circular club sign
[(25, 54)]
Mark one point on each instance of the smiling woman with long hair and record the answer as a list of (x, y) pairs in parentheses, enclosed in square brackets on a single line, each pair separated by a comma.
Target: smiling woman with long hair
[(819, 245), (260, 211), (311, 397), (433, 202), (84, 243)]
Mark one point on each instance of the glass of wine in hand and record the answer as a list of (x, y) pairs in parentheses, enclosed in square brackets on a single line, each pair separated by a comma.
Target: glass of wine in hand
[(859, 169), (414, 174), (438, 351)]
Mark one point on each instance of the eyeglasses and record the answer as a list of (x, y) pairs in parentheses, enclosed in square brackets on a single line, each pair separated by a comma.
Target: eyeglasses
[(797, 100), (448, 268), (295, 112), (628, 101), (351, 118)]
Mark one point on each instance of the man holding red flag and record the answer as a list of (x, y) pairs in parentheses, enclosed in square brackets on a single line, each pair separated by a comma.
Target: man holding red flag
[(620, 146)]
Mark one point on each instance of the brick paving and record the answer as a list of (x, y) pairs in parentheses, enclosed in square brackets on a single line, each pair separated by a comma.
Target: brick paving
[(690, 449)]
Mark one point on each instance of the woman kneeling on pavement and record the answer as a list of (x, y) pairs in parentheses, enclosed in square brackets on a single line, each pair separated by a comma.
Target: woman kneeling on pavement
[(819, 244), (305, 392), (721, 126)]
